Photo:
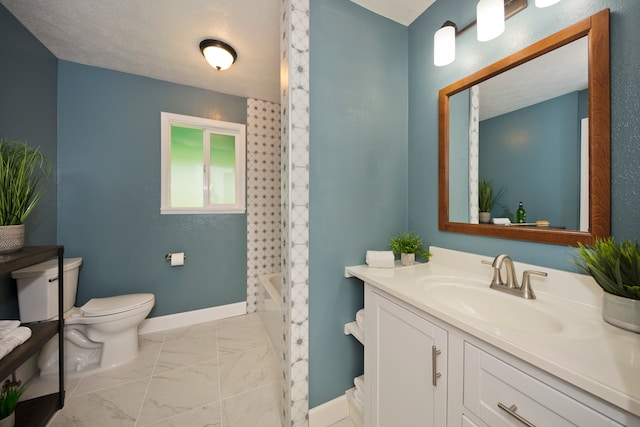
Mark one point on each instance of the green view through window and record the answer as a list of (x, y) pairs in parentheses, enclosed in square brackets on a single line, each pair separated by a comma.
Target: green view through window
[(203, 165)]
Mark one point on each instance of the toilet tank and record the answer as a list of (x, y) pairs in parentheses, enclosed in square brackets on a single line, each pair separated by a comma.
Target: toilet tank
[(38, 289)]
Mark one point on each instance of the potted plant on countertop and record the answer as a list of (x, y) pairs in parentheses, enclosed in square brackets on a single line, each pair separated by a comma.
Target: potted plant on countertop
[(616, 268), (9, 397), (408, 245), (22, 167), (486, 199)]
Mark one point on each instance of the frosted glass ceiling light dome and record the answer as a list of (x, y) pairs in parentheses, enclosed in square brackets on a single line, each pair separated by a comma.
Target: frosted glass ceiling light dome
[(444, 44), (218, 54), (490, 16), (545, 3)]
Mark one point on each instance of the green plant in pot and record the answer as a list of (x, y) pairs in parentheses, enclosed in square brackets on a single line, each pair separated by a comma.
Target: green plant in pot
[(9, 397), (486, 199), (22, 168), (408, 245), (616, 268)]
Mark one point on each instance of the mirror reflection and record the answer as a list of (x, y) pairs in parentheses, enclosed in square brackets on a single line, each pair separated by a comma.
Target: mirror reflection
[(524, 131), (535, 126)]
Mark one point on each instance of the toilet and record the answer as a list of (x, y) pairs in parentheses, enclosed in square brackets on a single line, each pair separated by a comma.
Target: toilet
[(101, 334)]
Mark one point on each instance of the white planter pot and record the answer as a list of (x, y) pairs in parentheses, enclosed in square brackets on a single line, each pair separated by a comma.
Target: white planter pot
[(407, 259), (621, 312), (11, 238), (9, 420), (484, 217)]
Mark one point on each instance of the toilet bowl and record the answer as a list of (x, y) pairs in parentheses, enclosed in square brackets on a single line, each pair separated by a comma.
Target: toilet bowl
[(101, 334)]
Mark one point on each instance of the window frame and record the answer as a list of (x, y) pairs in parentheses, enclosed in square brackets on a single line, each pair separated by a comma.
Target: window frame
[(237, 130)]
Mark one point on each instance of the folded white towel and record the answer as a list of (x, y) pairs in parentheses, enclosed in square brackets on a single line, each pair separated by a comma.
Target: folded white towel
[(380, 259), (359, 383), (360, 317), (8, 326), (501, 221), (14, 339)]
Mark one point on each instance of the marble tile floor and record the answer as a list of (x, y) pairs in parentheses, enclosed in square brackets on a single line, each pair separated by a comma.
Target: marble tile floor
[(344, 423), (222, 373), (215, 374)]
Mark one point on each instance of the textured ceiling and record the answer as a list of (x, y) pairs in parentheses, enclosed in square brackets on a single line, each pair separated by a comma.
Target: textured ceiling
[(401, 11), (159, 38), (556, 73)]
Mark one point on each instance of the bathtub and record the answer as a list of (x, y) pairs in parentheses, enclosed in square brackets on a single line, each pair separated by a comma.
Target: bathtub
[(270, 308)]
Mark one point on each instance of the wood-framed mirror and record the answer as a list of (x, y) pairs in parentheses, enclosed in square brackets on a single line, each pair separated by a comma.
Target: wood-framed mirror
[(588, 197)]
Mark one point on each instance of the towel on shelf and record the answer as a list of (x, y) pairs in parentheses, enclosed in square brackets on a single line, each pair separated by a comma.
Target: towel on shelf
[(14, 339), (380, 259), (501, 221), (360, 318), (8, 326)]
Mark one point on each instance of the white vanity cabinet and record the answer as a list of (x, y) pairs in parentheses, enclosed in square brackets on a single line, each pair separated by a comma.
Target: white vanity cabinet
[(421, 371), (405, 366)]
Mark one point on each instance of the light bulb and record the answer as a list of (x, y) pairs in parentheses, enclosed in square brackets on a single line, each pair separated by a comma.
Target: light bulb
[(490, 16), (444, 45), (218, 58), (545, 3)]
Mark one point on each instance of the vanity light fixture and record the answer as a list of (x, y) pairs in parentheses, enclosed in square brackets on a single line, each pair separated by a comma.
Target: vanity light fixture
[(491, 15), (218, 54), (490, 18), (545, 3), (444, 44)]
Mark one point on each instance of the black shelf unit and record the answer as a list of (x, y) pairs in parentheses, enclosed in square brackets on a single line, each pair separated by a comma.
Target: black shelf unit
[(37, 412)]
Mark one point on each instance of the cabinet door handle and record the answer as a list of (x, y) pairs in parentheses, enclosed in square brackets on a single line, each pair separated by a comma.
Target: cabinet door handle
[(434, 374), (511, 410)]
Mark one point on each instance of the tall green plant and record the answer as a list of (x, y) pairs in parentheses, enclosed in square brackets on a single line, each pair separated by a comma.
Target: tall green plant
[(11, 393), (22, 167), (486, 196), (615, 267)]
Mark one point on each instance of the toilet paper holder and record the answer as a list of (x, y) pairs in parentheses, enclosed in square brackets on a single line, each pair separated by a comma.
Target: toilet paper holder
[(167, 257)]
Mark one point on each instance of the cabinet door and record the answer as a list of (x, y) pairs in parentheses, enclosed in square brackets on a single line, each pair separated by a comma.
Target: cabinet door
[(402, 352)]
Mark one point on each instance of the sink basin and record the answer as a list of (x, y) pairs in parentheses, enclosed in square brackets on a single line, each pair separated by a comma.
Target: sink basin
[(497, 310)]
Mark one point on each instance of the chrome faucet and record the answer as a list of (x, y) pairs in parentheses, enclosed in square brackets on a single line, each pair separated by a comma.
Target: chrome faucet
[(511, 286)]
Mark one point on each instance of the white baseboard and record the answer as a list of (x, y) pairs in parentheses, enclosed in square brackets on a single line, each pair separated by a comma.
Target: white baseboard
[(178, 320), (329, 412)]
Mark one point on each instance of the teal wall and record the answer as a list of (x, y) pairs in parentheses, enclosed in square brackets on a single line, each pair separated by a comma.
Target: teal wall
[(548, 137), (28, 112), (526, 27), (358, 173), (109, 193)]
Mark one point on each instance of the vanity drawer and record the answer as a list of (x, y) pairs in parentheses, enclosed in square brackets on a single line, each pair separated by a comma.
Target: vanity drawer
[(489, 381)]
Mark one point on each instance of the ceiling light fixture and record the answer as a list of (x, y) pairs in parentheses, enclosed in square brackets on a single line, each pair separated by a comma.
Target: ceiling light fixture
[(218, 54), (545, 3), (491, 16)]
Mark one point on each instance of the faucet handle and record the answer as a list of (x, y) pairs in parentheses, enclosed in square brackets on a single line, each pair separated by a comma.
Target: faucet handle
[(486, 261), (527, 290)]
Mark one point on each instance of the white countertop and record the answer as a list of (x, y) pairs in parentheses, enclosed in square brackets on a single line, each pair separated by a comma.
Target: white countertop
[(590, 354)]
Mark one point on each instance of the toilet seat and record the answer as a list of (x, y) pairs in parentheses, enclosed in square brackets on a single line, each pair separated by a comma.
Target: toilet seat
[(97, 307)]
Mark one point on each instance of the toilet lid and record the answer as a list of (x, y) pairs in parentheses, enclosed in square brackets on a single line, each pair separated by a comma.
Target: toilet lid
[(113, 305)]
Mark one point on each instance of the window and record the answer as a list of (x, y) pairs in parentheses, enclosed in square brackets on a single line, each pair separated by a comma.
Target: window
[(203, 165)]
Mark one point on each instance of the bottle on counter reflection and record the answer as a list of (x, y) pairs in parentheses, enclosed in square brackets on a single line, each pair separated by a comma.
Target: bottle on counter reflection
[(521, 215)]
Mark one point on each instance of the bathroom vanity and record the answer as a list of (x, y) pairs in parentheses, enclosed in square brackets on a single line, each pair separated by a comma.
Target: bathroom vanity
[(37, 411), (443, 349)]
